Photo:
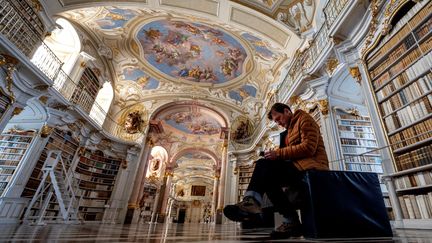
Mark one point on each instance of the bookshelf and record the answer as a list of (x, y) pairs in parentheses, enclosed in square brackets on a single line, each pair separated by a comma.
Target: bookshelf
[(358, 143), (13, 146), (401, 78), (4, 104), (147, 201), (58, 140), (86, 91), (245, 174), (316, 115), (96, 175)]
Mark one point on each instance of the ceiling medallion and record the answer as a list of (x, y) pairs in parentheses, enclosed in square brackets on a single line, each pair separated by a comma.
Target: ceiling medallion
[(192, 51)]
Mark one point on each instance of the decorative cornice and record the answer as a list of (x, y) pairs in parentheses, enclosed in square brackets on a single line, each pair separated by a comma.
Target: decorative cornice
[(372, 26)]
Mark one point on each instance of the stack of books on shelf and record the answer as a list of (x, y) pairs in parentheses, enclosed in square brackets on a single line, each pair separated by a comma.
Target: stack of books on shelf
[(358, 143), (13, 146), (96, 174), (245, 174), (401, 76), (58, 140)]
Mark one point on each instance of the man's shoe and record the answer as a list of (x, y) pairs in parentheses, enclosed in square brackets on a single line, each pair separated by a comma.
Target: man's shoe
[(287, 230), (246, 210)]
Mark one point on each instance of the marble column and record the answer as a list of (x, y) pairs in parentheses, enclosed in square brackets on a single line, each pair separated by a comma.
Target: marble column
[(169, 175), (122, 191), (138, 188), (221, 190), (214, 198)]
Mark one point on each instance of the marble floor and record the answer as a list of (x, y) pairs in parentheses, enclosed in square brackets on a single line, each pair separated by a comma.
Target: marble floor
[(167, 233)]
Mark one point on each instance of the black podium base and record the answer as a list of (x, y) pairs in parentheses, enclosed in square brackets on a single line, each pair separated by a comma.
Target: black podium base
[(344, 204)]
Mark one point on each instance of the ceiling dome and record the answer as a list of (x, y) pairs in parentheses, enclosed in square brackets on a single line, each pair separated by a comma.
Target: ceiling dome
[(192, 51)]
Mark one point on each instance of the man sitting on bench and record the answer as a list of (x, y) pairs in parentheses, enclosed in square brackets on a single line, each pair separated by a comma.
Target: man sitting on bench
[(302, 148)]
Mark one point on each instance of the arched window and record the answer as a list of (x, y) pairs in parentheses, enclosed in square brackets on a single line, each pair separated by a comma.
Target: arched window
[(101, 106), (64, 43)]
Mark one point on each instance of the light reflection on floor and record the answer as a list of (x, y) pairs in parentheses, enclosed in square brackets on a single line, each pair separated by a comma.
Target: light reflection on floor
[(160, 233)]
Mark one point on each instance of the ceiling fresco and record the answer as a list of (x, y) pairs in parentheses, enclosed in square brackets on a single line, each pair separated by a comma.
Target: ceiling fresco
[(193, 123), (259, 45), (140, 78), (243, 92), (191, 51), (114, 18), (196, 155)]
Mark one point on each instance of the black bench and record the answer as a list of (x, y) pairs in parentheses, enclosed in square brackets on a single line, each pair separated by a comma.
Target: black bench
[(344, 204)]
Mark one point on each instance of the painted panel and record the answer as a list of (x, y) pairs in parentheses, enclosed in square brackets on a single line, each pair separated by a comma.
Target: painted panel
[(192, 51), (193, 123), (141, 78)]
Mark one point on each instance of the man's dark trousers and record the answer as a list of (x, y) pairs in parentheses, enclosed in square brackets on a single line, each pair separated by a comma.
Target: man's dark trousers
[(270, 176)]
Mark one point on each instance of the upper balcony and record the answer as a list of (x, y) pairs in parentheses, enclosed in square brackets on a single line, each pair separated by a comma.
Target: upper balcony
[(307, 62), (21, 28)]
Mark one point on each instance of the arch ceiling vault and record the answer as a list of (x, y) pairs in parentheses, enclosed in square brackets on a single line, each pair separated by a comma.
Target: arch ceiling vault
[(223, 54)]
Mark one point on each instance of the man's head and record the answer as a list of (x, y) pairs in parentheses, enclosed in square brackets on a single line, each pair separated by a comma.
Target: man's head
[(281, 114)]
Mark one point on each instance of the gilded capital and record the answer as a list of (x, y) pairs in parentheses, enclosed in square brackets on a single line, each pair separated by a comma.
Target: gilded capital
[(323, 106), (355, 73), (17, 111), (45, 131)]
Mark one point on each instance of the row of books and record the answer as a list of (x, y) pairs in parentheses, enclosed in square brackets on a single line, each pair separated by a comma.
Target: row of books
[(418, 157), (377, 168), (353, 123), (421, 85), (12, 157), (409, 114), (6, 171), (398, 67), (5, 177), (93, 203), (362, 159), (348, 134), (98, 164), (13, 145), (245, 174), (360, 129), (93, 186), (62, 145), (400, 30), (401, 99), (90, 194), (416, 206), (407, 43), (8, 163), (89, 178), (98, 171), (396, 53), (358, 150), (424, 29), (411, 135), (359, 142), (17, 151), (5, 140), (422, 178), (351, 117)]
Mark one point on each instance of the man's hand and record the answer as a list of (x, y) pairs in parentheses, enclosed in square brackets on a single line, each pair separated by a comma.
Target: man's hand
[(271, 155)]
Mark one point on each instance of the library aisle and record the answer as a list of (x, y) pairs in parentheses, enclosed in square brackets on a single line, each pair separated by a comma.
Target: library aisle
[(169, 233)]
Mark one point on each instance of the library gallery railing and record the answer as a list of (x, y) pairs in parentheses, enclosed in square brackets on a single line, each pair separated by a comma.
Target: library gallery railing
[(20, 24)]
